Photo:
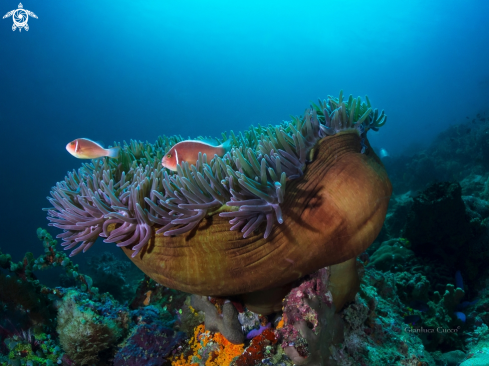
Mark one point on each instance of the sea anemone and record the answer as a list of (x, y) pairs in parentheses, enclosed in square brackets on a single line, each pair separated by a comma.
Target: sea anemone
[(315, 175)]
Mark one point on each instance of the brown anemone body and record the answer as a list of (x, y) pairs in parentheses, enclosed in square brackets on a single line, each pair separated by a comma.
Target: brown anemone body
[(332, 214)]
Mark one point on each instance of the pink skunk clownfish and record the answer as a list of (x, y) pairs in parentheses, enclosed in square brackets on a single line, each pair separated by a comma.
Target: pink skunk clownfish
[(189, 151), (88, 149)]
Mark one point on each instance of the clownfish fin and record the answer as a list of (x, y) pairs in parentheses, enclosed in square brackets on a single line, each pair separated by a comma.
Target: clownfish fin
[(208, 140), (101, 143), (227, 145), (113, 152)]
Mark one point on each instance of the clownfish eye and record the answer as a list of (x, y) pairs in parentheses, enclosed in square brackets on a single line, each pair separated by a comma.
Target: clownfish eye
[(72, 143), (168, 156)]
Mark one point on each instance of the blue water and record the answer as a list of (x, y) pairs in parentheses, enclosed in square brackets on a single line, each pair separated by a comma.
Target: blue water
[(120, 70)]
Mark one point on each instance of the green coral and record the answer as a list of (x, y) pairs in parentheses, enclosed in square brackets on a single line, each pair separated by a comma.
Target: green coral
[(451, 298), (375, 333), (26, 300), (24, 269), (440, 317), (32, 349), (32, 304), (412, 287), (114, 274), (83, 333), (22, 293), (392, 255)]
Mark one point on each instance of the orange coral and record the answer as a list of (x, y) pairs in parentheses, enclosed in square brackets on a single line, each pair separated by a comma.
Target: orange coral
[(280, 324), (226, 352), (221, 353), (148, 298)]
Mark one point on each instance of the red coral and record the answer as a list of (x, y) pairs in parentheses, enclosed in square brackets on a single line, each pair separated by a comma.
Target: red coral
[(256, 350), (239, 306)]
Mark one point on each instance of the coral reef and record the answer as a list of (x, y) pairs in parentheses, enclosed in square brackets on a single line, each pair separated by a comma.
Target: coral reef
[(412, 288), (423, 298), (370, 330), (115, 275), (151, 339), (437, 225), (87, 329), (261, 350), (476, 335), (150, 292), (447, 232), (476, 208), (310, 323), (33, 349), (226, 322), (392, 255), (249, 321), (441, 315), (80, 325), (446, 227), (374, 331), (396, 218), (208, 349), (29, 309), (457, 153), (452, 358), (25, 301)]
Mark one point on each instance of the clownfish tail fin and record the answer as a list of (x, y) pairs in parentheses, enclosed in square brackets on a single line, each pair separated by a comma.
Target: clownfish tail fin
[(113, 152), (227, 145)]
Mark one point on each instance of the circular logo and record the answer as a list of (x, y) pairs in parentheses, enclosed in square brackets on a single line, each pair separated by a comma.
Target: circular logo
[(20, 18)]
